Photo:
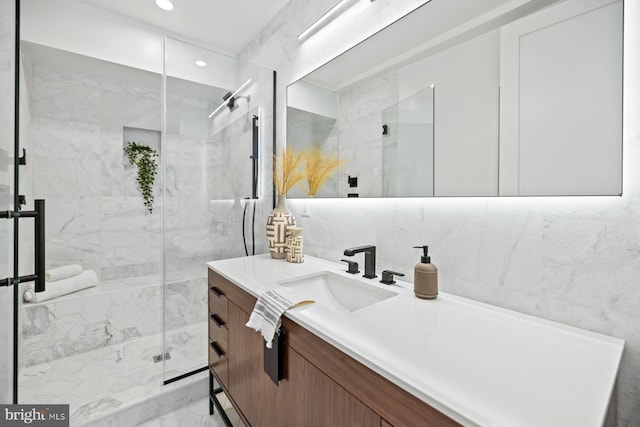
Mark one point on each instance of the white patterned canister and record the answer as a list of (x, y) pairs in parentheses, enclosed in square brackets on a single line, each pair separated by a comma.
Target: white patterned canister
[(294, 245), (278, 223)]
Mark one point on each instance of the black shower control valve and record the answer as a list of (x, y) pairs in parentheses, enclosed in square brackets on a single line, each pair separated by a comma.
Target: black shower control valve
[(387, 277), (353, 266), (352, 181), (385, 129)]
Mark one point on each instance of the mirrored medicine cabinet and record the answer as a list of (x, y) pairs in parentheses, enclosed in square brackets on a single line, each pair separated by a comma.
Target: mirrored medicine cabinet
[(459, 98)]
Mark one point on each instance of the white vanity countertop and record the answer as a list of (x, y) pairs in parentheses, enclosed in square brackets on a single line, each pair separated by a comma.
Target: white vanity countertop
[(477, 363)]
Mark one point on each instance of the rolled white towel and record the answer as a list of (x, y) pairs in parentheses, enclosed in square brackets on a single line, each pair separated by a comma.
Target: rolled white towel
[(84, 280), (28, 294), (63, 272)]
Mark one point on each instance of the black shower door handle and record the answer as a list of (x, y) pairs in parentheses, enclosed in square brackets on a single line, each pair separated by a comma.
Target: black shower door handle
[(38, 215)]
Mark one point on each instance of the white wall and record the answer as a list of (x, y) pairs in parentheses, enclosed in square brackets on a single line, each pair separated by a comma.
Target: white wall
[(313, 99), (466, 79), (80, 28), (568, 54), (574, 260)]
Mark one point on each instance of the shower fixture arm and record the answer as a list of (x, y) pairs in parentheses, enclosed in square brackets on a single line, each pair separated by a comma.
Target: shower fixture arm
[(231, 96)]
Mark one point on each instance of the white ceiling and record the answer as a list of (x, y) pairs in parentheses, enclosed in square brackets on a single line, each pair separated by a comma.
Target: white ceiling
[(227, 25)]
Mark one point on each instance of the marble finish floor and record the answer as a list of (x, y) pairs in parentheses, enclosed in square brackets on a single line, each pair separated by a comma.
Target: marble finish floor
[(106, 380), (196, 414)]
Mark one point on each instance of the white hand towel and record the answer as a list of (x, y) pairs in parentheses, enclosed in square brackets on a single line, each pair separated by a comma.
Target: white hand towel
[(266, 315), (63, 272), (84, 280)]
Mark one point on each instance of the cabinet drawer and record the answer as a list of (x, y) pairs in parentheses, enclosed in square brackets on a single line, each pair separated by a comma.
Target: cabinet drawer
[(218, 332), (238, 296), (219, 362), (218, 303)]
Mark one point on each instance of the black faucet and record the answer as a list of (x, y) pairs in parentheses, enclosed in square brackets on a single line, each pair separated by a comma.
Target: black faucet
[(369, 259)]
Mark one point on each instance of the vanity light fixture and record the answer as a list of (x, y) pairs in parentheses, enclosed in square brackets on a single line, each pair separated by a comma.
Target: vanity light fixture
[(326, 18), (232, 96), (201, 63), (164, 4)]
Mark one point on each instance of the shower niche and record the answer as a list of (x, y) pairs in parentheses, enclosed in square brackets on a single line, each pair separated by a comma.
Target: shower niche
[(147, 137)]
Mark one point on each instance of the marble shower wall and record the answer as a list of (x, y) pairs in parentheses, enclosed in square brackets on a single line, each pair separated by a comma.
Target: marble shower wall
[(7, 36), (574, 260), (360, 136), (228, 158), (95, 215), (94, 318), (78, 107), (188, 243), (68, 326)]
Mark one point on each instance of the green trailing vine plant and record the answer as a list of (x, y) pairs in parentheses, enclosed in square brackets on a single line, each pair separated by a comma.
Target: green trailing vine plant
[(144, 158)]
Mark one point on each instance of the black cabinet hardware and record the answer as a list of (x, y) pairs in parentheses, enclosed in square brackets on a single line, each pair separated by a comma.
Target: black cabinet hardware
[(216, 291), (217, 349)]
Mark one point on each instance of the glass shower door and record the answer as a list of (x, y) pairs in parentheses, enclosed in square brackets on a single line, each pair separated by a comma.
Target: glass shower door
[(7, 97), (409, 141), (216, 115)]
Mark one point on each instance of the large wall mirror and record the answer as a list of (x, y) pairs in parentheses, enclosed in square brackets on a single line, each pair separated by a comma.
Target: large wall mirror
[(460, 98)]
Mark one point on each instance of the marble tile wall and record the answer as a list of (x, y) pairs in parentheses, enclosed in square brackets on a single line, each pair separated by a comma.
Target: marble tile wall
[(573, 260), (117, 385), (95, 213), (26, 232), (360, 136), (228, 159), (65, 327), (95, 216), (94, 318), (7, 35)]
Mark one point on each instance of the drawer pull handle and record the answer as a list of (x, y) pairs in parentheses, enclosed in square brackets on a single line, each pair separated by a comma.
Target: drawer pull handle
[(218, 351), (216, 291), (219, 323)]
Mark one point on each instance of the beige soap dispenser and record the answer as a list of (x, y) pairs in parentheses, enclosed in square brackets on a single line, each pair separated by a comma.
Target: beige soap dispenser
[(425, 279)]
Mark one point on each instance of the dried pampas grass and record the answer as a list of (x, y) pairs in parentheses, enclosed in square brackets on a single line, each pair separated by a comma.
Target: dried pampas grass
[(319, 168), (286, 170)]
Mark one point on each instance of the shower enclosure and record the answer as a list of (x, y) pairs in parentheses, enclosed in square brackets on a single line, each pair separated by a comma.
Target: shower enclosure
[(137, 335), (7, 199)]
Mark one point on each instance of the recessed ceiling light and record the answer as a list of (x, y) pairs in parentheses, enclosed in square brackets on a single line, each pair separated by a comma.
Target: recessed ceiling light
[(201, 63), (164, 4)]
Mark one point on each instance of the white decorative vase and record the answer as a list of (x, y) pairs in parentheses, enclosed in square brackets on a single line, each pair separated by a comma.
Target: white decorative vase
[(295, 244), (278, 222)]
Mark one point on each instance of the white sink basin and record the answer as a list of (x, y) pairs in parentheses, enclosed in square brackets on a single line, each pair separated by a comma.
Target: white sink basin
[(338, 292)]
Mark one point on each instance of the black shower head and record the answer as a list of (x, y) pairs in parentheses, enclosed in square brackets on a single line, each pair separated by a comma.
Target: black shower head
[(231, 103), (231, 100)]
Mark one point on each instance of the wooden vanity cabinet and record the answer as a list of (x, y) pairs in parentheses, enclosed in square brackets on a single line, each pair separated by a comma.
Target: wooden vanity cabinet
[(322, 386), (305, 397)]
